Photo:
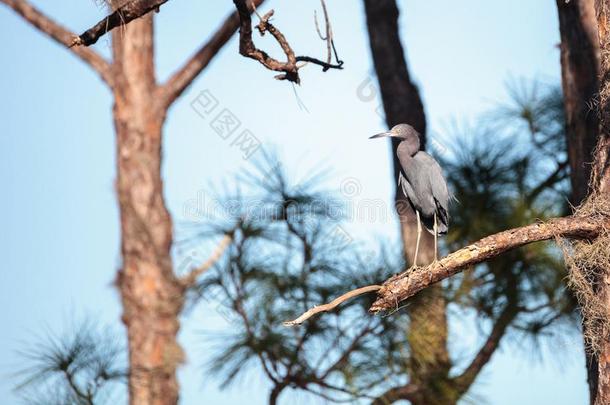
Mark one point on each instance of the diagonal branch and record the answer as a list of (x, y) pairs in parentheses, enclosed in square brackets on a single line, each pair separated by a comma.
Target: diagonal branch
[(333, 304), (467, 377), (123, 15), (408, 392), (410, 282), (180, 80), (190, 279), (61, 35)]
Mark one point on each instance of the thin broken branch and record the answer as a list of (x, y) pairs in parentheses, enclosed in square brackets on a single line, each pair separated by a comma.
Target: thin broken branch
[(190, 279), (330, 43), (464, 381), (123, 15), (61, 35), (332, 305)]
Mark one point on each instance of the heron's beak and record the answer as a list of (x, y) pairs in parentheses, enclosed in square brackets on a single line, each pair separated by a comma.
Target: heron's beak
[(382, 135)]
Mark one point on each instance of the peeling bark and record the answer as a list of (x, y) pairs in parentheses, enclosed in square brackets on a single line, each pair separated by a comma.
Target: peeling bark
[(151, 295)]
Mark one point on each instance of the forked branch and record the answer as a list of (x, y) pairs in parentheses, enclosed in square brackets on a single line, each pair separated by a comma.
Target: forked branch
[(289, 68)]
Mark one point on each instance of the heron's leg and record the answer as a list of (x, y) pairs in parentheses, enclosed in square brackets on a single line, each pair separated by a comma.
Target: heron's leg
[(418, 236), (435, 239)]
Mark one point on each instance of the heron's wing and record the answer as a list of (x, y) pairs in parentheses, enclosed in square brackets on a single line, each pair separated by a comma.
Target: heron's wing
[(426, 175), (438, 185), (407, 189)]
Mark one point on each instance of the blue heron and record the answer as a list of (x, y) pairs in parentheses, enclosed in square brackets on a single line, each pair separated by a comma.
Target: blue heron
[(422, 182)]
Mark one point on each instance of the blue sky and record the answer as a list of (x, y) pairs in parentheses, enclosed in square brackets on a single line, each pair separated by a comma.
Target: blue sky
[(60, 240)]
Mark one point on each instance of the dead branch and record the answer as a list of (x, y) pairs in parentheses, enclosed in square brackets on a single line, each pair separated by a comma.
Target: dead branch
[(330, 43), (410, 282), (190, 279), (123, 15), (464, 381), (61, 35), (248, 49), (180, 80), (332, 305)]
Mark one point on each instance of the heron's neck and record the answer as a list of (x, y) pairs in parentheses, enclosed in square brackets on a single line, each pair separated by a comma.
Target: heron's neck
[(408, 148)]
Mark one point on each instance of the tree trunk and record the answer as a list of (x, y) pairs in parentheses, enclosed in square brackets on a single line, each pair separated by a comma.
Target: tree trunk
[(427, 334), (151, 295), (579, 78), (600, 183), (580, 70)]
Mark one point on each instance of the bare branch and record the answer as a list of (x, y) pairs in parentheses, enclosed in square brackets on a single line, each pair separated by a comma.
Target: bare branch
[(330, 44), (332, 305), (123, 15), (191, 278), (467, 377), (407, 392), (248, 49), (180, 80), (62, 36), (410, 282)]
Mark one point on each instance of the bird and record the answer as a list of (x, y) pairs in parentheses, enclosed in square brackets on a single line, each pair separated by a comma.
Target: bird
[(423, 184)]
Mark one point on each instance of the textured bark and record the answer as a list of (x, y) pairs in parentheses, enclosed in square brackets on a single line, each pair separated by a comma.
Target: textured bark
[(580, 73), (600, 182), (427, 334), (151, 295), (410, 282), (580, 83)]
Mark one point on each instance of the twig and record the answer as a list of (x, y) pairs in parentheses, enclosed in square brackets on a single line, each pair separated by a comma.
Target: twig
[(333, 304), (191, 278)]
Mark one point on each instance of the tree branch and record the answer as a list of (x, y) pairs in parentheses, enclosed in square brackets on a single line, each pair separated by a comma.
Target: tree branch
[(183, 78), (190, 279), (61, 35), (332, 305), (407, 392), (410, 282), (123, 15), (248, 49), (467, 377)]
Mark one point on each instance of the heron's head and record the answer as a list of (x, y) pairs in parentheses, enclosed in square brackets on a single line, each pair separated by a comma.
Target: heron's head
[(406, 133)]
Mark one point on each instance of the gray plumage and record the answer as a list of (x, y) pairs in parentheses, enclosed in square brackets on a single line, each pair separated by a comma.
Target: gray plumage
[(421, 179)]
